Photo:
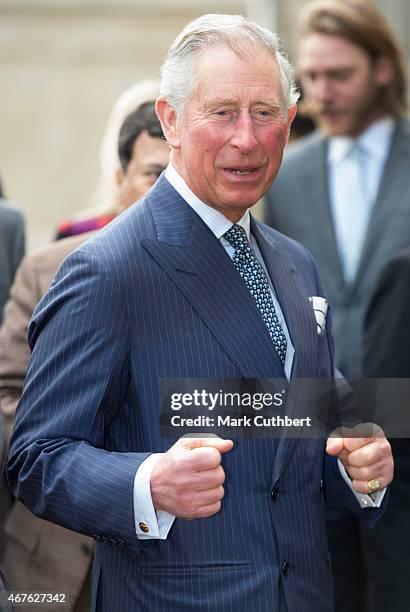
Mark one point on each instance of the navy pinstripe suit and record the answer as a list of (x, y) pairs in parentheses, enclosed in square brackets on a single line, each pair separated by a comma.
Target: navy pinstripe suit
[(155, 296)]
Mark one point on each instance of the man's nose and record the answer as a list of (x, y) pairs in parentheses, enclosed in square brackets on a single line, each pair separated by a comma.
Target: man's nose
[(244, 133), (320, 90)]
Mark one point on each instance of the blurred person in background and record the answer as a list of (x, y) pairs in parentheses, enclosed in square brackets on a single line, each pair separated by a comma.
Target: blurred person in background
[(4, 605), (386, 354), (41, 556), (12, 244), (345, 193), (386, 346), (104, 206)]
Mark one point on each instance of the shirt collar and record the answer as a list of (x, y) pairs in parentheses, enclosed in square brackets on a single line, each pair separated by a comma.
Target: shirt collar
[(215, 220), (375, 140)]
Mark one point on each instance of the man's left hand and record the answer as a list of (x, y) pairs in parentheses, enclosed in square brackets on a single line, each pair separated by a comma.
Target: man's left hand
[(367, 460)]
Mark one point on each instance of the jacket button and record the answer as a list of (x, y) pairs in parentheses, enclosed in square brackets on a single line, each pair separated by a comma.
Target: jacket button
[(274, 494), (144, 527), (285, 568)]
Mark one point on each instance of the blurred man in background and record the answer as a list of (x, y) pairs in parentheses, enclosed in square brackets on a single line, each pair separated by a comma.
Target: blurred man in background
[(386, 354), (4, 605), (103, 204), (41, 556), (11, 248), (386, 351), (345, 193)]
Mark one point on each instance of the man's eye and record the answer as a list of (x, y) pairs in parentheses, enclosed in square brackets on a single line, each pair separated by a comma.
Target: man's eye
[(341, 76), (263, 113), (222, 113)]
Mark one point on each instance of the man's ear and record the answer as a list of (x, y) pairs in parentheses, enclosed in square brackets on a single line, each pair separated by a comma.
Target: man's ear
[(384, 71), (291, 115), (119, 176), (168, 119)]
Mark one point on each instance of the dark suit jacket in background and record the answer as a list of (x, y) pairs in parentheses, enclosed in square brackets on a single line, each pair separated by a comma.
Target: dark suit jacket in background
[(373, 562), (11, 248), (386, 354), (153, 296), (298, 205), (39, 556)]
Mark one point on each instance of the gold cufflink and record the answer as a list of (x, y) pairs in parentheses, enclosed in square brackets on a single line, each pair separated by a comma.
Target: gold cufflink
[(374, 485)]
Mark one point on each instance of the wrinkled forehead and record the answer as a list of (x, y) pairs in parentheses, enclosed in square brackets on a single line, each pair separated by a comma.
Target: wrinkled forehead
[(221, 72)]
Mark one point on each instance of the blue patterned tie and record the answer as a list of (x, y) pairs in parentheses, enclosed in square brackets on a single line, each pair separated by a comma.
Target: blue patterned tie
[(255, 279)]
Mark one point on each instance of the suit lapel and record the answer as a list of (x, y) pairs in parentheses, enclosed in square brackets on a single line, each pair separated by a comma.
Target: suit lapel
[(392, 193), (315, 196), (197, 263)]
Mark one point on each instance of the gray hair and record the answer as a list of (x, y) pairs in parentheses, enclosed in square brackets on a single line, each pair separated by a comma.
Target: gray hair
[(179, 78)]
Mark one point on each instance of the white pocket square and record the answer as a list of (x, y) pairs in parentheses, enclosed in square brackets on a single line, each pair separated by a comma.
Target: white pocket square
[(320, 311)]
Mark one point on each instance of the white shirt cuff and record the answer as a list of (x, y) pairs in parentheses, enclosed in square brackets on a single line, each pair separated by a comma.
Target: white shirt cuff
[(365, 501), (150, 524)]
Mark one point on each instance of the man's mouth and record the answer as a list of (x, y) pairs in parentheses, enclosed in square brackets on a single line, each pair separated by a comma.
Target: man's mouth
[(330, 112), (242, 171)]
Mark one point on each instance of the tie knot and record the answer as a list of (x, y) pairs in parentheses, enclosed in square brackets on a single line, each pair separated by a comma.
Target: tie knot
[(236, 236)]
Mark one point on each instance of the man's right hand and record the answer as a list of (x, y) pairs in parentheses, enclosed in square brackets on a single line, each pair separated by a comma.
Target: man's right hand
[(188, 479)]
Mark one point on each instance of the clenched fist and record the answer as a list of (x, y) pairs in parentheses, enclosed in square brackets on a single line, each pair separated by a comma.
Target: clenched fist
[(188, 479), (365, 459)]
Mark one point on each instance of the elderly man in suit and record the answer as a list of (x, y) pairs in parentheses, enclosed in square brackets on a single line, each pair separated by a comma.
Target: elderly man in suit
[(345, 194), (41, 556), (188, 285), (11, 248)]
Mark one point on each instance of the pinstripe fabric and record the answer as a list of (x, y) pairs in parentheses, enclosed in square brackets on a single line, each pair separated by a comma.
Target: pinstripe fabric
[(154, 296)]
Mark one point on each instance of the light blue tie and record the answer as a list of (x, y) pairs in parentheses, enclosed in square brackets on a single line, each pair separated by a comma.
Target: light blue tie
[(255, 279), (352, 232)]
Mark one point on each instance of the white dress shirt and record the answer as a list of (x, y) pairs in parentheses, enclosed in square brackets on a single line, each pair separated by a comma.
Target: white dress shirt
[(158, 523), (355, 168)]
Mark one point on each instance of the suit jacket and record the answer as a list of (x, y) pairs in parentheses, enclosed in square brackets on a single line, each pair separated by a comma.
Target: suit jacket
[(152, 296), (298, 205), (386, 354), (387, 323), (11, 248), (4, 604), (39, 556), (3, 445)]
